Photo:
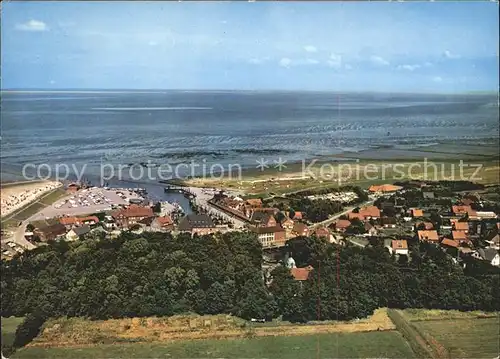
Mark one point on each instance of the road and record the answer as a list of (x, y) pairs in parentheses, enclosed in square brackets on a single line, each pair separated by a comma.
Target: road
[(330, 220), (18, 235)]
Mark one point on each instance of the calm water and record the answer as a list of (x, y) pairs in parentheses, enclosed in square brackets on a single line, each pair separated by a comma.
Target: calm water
[(228, 127)]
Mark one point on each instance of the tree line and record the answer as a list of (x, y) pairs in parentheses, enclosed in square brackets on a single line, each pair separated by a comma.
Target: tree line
[(156, 274)]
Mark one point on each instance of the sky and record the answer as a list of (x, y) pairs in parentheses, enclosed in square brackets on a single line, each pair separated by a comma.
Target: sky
[(447, 47)]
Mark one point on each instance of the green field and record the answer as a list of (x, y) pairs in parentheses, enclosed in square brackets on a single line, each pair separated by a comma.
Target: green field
[(9, 326), (387, 344), (464, 338), (450, 334)]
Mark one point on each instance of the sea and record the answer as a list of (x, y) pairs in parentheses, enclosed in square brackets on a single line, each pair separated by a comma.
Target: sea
[(226, 127)]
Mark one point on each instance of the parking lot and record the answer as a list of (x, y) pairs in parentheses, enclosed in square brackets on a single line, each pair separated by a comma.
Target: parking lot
[(88, 201)]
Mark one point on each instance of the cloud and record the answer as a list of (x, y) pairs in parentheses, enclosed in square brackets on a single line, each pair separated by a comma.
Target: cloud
[(449, 55), (285, 62), (32, 25), (379, 61), (152, 43), (437, 79), (348, 67), (310, 48), (427, 64), (312, 61), (255, 61), (335, 61), (409, 67)]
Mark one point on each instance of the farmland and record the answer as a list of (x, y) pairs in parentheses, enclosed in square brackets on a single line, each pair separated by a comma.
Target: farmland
[(451, 334), (386, 344)]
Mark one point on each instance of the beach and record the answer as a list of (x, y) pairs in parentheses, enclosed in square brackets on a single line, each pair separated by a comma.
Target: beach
[(15, 196)]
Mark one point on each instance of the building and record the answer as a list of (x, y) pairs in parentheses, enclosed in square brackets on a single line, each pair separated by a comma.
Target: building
[(77, 232), (70, 222), (341, 225), (200, 224), (489, 255), (163, 223), (384, 188), (131, 215), (254, 202), (73, 187), (399, 247), (297, 215), (263, 219), (322, 232), (426, 225), (461, 210), (493, 239), (300, 229), (429, 236), (415, 213), (370, 212), (460, 226), (450, 243), (388, 222), (51, 232), (270, 237), (301, 274)]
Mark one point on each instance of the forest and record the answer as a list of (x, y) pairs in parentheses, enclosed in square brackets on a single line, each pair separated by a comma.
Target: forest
[(159, 275)]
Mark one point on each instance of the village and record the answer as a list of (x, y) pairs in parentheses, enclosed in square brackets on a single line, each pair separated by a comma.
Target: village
[(459, 218)]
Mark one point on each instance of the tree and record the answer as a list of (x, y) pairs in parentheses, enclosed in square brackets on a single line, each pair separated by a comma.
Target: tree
[(28, 329)]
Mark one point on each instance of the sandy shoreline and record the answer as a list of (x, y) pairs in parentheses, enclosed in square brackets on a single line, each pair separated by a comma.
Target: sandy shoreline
[(16, 195)]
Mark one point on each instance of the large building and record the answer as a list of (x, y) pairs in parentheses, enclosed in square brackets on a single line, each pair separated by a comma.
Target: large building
[(270, 237), (131, 215), (200, 224)]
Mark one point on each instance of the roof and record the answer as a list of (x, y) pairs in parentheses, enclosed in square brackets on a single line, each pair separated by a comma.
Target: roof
[(297, 215), (388, 220), (461, 209), (461, 226), (254, 202), (353, 215), (81, 230), (428, 235), (342, 223), (459, 235), (300, 228), (164, 221), (370, 211), (399, 244), (262, 230), (68, 221), (428, 225), (417, 212), (428, 194), (191, 221), (301, 273), (467, 201), (260, 217), (487, 253), (53, 230), (384, 188), (134, 211), (450, 243), (322, 232)]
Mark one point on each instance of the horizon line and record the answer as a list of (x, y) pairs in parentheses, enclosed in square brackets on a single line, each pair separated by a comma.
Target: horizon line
[(131, 90)]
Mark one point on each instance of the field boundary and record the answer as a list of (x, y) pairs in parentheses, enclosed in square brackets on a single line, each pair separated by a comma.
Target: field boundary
[(417, 341)]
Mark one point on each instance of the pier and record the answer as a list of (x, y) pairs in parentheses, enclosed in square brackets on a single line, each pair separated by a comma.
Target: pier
[(179, 189)]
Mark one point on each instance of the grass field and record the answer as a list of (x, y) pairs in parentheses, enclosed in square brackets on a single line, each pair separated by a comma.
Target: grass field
[(33, 208), (464, 338), (454, 334), (387, 344), (9, 326), (362, 173)]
